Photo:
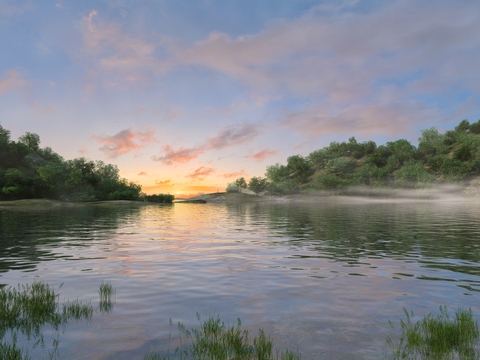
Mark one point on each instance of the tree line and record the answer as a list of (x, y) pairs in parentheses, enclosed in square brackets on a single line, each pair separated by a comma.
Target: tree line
[(439, 158), (30, 172)]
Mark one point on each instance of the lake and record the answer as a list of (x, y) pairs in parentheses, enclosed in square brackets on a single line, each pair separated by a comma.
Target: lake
[(321, 277)]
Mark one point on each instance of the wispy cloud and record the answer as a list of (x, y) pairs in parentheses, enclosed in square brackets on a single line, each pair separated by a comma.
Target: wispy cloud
[(171, 156), (116, 52), (14, 7), (165, 183), (142, 173), (233, 174), (263, 154), (11, 80), (229, 136), (42, 111), (125, 141), (201, 173)]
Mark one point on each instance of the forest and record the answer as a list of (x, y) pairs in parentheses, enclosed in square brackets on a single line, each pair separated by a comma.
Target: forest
[(452, 157), (28, 171)]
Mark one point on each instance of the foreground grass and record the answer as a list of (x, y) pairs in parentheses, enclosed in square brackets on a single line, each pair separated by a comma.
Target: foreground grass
[(437, 336), (28, 309), (214, 340)]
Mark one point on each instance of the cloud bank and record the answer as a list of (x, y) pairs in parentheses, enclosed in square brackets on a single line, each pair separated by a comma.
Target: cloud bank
[(228, 136), (125, 141)]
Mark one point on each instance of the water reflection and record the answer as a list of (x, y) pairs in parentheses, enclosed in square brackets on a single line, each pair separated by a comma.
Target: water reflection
[(325, 277), (31, 237)]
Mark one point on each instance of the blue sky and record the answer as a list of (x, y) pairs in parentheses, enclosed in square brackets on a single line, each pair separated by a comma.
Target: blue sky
[(186, 96)]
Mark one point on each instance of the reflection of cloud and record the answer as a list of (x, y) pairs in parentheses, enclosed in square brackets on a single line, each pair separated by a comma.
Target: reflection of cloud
[(200, 173), (124, 142), (233, 174), (142, 173), (263, 154), (12, 79), (227, 137)]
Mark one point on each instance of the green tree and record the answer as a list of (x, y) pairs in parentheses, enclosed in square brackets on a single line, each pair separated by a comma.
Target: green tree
[(284, 187), (462, 127), (319, 158), (475, 128), (32, 140), (431, 142), (257, 185), (277, 172), (299, 167), (16, 185), (402, 149), (340, 166), (241, 184)]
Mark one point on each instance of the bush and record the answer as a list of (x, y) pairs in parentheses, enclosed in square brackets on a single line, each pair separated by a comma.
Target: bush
[(325, 182), (340, 166), (159, 198), (413, 171), (475, 128), (232, 188)]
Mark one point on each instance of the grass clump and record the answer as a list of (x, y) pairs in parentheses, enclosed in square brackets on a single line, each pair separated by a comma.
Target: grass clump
[(215, 340), (28, 309), (106, 292), (437, 336)]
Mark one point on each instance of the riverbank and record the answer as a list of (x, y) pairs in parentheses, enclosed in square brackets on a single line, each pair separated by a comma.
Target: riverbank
[(46, 203), (441, 193)]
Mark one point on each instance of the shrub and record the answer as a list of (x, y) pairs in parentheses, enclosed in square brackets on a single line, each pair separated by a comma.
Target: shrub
[(232, 188), (413, 171), (340, 166)]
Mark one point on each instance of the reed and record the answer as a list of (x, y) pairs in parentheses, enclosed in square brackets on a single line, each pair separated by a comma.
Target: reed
[(215, 340), (28, 309), (106, 292), (437, 336)]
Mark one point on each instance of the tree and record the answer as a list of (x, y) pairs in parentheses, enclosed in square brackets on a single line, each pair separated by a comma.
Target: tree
[(277, 172), (299, 167), (241, 184), (431, 142), (257, 185), (32, 140)]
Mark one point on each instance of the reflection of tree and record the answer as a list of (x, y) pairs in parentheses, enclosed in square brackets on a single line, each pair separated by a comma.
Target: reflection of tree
[(434, 236), (29, 237)]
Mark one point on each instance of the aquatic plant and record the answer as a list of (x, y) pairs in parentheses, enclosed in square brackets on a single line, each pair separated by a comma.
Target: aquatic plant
[(106, 292), (28, 309), (437, 336), (215, 340)]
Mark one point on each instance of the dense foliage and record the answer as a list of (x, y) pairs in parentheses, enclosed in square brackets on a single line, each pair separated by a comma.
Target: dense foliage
[(450, 157), (28, 171)]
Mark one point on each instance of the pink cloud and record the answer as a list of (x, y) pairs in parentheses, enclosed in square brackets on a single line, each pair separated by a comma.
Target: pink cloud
[(142, 173), (124, 141), (227, 137), (171, 156), (263, 154), (12, 79), (233, 174), (200, 173)]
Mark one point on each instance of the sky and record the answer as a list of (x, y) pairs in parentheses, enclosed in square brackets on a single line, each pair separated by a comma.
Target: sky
[(185, 96)]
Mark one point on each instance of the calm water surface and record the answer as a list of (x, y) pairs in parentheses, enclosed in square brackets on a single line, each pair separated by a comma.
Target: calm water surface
[(322, 277)]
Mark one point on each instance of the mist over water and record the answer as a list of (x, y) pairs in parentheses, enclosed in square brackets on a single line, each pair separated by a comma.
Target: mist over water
[(323, 276)]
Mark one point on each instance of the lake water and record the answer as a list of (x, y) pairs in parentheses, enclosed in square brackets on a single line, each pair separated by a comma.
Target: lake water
[(322, 277)]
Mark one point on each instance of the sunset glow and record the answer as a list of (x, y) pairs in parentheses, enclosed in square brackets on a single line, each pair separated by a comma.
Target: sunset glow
[(186, 96)]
